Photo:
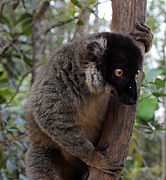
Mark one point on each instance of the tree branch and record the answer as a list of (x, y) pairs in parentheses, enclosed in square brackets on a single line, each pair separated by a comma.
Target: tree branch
[(39, 14), (60, 24)]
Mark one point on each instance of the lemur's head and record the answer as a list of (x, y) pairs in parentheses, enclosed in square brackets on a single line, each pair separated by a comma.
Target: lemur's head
[(112, 60)]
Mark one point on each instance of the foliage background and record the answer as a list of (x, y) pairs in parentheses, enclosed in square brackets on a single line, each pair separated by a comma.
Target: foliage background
[(61, 24)]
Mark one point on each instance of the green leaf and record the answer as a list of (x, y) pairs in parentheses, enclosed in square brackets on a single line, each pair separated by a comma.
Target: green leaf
[(1, 73), (152, 74), (80, 23), (2, 99), (27, 28), (3, 161), (159, 83), (77, 3), (91, 10), (73, 11), (4, 19), (143, 76), (24, 17), (28, 60), (92, 1), (27, 23), (146, 109), (6, 92)]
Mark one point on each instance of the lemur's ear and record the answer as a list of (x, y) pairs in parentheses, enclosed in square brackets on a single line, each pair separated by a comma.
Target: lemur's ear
[(95, 49)]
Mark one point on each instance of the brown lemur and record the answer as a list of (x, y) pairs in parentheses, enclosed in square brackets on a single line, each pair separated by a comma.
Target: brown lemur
[(68, 101)]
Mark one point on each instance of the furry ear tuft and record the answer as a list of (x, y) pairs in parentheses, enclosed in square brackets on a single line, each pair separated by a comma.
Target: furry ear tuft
[(96, 49), (102, 42)]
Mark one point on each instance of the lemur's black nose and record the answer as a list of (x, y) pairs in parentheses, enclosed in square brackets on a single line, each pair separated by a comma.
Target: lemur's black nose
[(132, 101)]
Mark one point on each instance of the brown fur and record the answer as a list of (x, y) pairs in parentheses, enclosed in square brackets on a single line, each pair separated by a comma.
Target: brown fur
[(67, 105), (91, 116)]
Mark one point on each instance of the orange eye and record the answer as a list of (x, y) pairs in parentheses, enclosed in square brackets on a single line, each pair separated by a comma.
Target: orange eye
[(118, 73), (138, 74)]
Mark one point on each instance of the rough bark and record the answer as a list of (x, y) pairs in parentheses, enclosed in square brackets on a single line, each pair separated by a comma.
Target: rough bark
[(120, 118), (164, 141)]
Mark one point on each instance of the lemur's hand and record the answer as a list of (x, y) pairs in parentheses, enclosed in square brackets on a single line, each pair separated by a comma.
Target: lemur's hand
[(144, 34)]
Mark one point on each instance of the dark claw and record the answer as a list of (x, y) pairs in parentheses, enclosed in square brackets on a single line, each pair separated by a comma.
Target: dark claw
[(142, 27), (143, 24), (102, 147), (119, 164), (112, 172)]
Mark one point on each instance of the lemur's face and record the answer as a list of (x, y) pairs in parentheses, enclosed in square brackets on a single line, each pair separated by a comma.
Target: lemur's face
[(121, 67), (124, 79), (117, 66)]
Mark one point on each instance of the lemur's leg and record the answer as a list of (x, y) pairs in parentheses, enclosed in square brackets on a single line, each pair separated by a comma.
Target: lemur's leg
[(41, 163)]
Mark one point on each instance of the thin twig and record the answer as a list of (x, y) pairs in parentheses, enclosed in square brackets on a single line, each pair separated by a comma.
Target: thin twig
[(140, 132), (23, 3), (18, 50), (60, 24), (16, 138), (6, 46), (20, 83), (143, 160), (9, 75)]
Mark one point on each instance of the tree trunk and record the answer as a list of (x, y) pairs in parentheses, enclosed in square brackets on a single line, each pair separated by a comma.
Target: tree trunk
[(164, 140), (120, 118)]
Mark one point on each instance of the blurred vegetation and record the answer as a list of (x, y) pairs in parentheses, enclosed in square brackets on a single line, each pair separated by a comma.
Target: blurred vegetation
[(58, 27)]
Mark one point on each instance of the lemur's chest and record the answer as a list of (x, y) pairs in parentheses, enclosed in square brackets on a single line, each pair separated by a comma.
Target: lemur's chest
[(91, 116)]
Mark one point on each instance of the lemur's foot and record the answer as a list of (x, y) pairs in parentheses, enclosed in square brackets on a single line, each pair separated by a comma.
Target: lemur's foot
[(143, 33), (101, 161), (116, 168)]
